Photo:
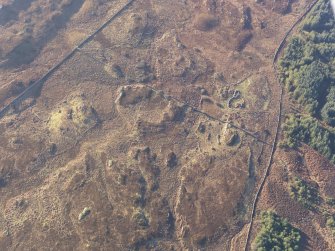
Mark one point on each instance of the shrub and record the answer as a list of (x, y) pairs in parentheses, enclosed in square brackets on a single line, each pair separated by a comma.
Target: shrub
[(330, 201), (293, 54), (304, 193), (328, 111), (307, 66), (330, 222), (140, 218), (320, 19), (86, 211), (243, 38), (276, 234), (206, 22), (308, 130)]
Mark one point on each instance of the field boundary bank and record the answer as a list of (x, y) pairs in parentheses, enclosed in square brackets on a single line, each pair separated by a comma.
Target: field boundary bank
[(30, 90), (38, 83), (195, 109)]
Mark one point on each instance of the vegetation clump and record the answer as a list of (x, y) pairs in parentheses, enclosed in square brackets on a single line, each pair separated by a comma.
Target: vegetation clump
[(276, 234), (2, 182), (330, 201), (243, 38), (330, 222), (231, 138), (307, 66), (308, 130), (86, 211), (328, 110), (172, 160), (307, 69), (140, 218), (304, 193), (206, 22)]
